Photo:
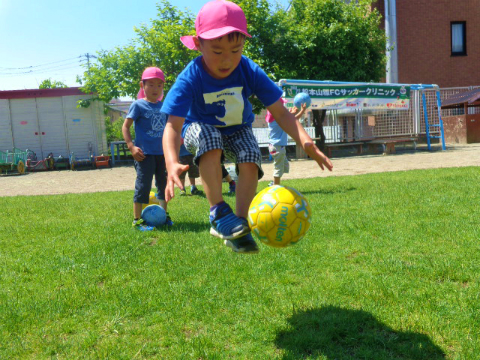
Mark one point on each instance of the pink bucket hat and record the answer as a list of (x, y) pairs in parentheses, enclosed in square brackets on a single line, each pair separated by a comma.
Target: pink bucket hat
[(215, 19), (151, 73), (269, 117)]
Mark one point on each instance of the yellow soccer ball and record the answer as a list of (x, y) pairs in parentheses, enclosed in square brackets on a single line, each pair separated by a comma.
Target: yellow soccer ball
[(152, 200), (279, 216)]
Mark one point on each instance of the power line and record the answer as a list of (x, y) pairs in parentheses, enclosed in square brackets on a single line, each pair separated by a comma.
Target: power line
[(61, 65), (45, 64), (40, 72), (34, 71)]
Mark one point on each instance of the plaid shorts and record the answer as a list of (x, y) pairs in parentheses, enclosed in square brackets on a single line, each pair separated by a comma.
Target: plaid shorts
[(239, 147)]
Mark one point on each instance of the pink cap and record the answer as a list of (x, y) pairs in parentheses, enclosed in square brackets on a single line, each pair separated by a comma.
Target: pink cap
[(215, 19), (151, 73), (269, 117)]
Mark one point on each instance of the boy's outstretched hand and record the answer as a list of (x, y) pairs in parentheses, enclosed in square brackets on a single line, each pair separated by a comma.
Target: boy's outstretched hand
[(314, 152), (173, 178)]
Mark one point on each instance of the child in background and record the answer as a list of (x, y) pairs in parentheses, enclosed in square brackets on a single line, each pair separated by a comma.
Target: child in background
[(149, 123), (208, 106), (193, 173), (187, 159), (277, 148), (231, 183)]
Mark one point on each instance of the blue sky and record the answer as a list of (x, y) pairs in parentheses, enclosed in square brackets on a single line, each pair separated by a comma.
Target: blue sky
[(45, 39)]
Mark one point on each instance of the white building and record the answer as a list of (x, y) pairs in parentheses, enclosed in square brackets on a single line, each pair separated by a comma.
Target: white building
[(48, 121)]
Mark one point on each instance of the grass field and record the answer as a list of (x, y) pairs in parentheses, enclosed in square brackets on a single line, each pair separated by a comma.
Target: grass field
[(390, 269)]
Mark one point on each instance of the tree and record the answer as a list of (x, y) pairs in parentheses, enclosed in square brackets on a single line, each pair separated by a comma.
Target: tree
[(118, 72), (313, 40), (51, 84), (330, 40), (113, 130), (263, 25)]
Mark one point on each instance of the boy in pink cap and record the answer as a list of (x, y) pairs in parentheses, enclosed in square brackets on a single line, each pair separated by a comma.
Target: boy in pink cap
[(208, 106), (147, 151), (278, 141)]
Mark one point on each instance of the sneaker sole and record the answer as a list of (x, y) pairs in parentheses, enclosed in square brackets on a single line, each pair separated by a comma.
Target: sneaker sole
[(240, 251), (144, 228), (234, 236)]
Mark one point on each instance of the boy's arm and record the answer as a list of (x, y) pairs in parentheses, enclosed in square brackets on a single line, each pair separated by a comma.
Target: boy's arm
[(137, 153), (171, 149), (292, 127)]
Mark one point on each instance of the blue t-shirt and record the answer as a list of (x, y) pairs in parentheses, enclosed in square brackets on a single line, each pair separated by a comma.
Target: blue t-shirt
[(276, 135), (149, 123), (198, 97)]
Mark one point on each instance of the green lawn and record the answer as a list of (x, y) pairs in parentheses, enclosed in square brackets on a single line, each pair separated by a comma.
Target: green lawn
[(389, 269)]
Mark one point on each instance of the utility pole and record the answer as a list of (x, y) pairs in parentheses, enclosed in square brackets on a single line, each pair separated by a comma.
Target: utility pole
[(391, 32), (88, 56)]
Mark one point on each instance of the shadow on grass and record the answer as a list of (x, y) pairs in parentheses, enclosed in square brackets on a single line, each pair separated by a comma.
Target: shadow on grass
[(337, 333), (186, 226), (198, 195), (329, 191)]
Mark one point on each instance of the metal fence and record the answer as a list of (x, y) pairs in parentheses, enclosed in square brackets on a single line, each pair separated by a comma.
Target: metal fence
[(331, 133), (363, 125), (370, 124)]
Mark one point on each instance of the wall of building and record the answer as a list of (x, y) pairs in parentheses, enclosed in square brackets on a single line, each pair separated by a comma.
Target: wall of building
[(48, 121), (462, 129), (424, 42)]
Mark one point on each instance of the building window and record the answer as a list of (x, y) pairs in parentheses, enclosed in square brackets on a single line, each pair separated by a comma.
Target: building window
[(459, 38)]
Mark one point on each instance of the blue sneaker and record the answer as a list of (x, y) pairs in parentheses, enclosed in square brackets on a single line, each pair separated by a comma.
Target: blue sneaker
[(168, 221), (232, 188), (244, 245), (226, 225), (139, 224), (195, 191)]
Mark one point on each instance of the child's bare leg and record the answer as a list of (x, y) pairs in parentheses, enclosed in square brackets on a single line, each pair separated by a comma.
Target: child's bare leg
[(137, 210), (276, 180), (163, 204), (246, 187), (211, 175)]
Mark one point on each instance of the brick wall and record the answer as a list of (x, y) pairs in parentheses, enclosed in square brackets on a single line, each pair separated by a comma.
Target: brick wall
[(424, 43)]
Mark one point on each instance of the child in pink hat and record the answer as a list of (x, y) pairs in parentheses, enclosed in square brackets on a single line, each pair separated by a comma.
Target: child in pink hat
[(149, 123), (278, 141), (208, 106)]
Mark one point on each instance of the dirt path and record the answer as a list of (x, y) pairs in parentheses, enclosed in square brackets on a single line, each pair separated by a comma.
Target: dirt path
[(123, 178)]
